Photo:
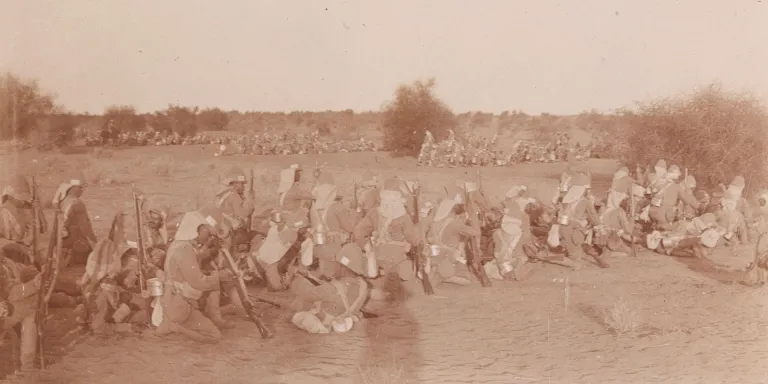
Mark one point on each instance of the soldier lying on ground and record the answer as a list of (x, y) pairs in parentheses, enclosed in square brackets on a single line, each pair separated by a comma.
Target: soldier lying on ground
[(334, 305)]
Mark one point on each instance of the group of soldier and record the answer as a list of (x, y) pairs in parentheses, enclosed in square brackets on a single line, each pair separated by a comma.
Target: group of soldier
[(246, 143), (475, 151), (341, 257)]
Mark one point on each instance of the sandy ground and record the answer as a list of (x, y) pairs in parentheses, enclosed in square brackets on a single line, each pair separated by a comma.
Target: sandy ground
[(691, 324)]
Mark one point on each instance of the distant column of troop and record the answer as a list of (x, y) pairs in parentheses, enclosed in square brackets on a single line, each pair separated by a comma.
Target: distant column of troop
[(476, 151)]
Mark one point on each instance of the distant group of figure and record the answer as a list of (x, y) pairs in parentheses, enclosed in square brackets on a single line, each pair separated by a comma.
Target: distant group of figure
[(339, 257), (238, 143), (475, 151)]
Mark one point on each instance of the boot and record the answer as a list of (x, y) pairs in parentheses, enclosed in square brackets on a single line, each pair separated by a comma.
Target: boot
[(566, 262), (600, 259)]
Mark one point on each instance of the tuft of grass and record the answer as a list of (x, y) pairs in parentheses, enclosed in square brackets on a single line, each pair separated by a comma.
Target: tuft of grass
[(622, 317)]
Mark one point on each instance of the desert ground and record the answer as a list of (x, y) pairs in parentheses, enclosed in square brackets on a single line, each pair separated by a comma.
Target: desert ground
[(649, 319)]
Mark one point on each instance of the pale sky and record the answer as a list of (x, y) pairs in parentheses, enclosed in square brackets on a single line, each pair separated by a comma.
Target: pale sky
[(537, 56)]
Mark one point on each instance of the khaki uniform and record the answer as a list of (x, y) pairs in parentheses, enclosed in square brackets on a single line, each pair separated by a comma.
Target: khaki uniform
[(391, 241), (186, 288), (663, 209), (21, 291), (339, 223), (614, 224), (295, 198), (450, 235), (508, 250), (582, 214), (368, 199), (238, 211), (15, 226)]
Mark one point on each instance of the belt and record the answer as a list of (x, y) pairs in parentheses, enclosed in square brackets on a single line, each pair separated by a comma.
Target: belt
[(184, 289)]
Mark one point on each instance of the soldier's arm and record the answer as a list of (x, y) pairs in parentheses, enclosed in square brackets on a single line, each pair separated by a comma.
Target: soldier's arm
[(192, 274), (592, 215), (347, 221), (468, 231), (363, 230), (687, 197), (242, 208)]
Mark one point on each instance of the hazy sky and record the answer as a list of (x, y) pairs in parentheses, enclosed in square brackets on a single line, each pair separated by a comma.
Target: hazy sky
[(537, 55)]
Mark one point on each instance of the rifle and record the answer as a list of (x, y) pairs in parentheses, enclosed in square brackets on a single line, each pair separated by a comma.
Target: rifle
[(475, 265), (632, 244), (251, 191), (49, 275), (141, 253), (419, 252), (242, 291), (32, 256)]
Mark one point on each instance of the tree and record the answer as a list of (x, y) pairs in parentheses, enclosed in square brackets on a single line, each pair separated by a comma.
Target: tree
[(21, 102), (213, 119), (715, 134), (414, 111), (124, 117), (176, 119)]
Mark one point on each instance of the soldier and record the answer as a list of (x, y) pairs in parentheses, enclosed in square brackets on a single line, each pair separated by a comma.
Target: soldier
[(367, 194), (736, 211), (389, 234), (16, 221), (664, 203), (622, 183), (294, 198), (657, 176), (19, 290), (615, 225), (687, 238), (187, 288), (448, 234), (575, 218), (107, 282), (573, 170), (333, 220), (335, 305), (512, 236), (79, 238), (237, 208), (688, 212)]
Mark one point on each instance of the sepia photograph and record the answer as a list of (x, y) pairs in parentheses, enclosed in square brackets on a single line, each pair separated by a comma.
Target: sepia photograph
[(384, 192)]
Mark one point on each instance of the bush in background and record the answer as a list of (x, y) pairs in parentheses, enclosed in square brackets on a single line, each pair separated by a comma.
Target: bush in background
[(414, 111), (714, 133)]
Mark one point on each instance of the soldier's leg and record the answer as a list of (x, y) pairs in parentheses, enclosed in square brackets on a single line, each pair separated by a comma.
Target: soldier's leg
[(101, 313), (212, 310), (198, 327)]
